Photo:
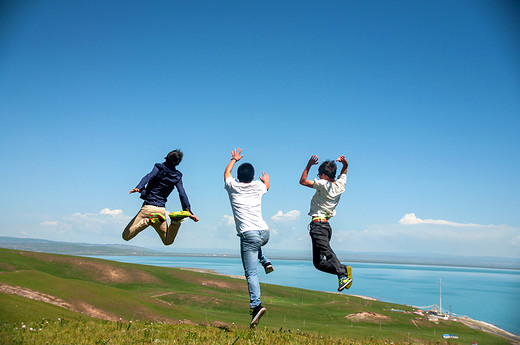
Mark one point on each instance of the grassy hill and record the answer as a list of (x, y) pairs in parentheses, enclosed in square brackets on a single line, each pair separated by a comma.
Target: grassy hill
[(84, 300)]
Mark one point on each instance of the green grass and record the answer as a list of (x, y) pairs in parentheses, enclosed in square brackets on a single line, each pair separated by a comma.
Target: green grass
[(80, 331), (178, 306)]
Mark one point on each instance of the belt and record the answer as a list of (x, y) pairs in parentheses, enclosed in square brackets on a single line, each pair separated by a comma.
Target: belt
[(319, 219)]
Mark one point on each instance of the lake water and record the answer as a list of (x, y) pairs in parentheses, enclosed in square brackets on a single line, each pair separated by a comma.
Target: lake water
[(490, 295)]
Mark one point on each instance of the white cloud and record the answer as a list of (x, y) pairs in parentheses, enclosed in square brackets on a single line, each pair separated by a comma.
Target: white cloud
[(49, 223), (432, 237), (411, 219), (105, 226), (111, 212), (227, 220), (287, 217)]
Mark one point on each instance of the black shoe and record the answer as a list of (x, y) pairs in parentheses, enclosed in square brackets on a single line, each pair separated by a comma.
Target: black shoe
[(268, 267), (257, 313)]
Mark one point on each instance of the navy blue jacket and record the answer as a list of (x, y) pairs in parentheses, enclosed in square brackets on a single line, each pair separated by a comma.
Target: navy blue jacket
[(159, 183)]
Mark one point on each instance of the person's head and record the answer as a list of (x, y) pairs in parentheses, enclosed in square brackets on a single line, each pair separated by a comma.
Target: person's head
[(328, 168), (174, 157), (245, 173)]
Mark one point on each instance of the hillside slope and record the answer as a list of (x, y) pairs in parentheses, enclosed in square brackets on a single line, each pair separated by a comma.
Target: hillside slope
[(50, 285)]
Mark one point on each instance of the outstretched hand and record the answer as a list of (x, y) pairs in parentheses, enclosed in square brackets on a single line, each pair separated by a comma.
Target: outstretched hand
[(236, 154), (265, 179), (343, 160), (235, 157), (134, 190), (313, 160)]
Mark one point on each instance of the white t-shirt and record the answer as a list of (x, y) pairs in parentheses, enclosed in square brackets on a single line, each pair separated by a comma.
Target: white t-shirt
[(246, 202), (327, 196)]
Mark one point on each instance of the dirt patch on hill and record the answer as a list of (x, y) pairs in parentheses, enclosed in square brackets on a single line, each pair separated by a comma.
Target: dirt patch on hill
[(193, 299), (34, 295), (173, 297), (216, 284), (90, 310), (81, 307), (222, 325), (367, 316), (101, 271), (6, 267)]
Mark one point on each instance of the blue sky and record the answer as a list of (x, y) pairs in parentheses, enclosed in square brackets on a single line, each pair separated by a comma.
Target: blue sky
[(422, 97)]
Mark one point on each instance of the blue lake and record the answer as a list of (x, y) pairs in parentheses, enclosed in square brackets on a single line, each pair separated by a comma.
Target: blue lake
[(490, 295)]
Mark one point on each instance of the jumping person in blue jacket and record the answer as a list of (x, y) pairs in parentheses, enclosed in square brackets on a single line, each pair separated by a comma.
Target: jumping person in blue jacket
[(155, 188)]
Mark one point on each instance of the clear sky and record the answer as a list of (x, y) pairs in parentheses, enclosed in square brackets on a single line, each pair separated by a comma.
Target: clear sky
[(422, 97)]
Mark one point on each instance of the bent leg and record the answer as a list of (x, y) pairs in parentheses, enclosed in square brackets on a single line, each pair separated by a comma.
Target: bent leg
[(264, 236), (323, 257), (160, 227), (171, 233), (140, 222)]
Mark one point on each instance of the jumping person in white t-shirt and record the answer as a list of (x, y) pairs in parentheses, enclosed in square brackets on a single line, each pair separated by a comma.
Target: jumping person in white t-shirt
[(245, 196), (323, 205)]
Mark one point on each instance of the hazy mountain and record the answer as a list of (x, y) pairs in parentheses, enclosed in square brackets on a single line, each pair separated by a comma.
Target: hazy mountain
[(69, 248)]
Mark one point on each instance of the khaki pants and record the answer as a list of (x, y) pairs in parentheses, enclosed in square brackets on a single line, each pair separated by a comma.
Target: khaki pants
[(142, 220)]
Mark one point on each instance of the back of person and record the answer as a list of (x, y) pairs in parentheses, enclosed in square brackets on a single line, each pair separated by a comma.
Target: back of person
[(246, 202), (327, 196), (323, 205), (155, 188), (161, 186), (245, 195)]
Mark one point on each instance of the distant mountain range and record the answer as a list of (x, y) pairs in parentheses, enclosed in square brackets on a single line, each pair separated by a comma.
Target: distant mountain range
[(88, 249), (69, 248)]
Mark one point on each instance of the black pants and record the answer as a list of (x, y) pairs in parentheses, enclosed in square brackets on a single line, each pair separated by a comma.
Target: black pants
[(323, 256)]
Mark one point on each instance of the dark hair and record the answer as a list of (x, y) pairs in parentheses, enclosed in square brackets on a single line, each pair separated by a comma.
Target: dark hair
[(246, 173), (328, 168), (174, 157)]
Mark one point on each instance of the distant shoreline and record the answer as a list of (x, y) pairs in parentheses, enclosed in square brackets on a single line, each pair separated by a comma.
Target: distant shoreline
[(490, 328), (484, 326), (389, 261)]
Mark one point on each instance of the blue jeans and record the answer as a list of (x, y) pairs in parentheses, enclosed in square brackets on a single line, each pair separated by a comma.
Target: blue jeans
[(251, 243)]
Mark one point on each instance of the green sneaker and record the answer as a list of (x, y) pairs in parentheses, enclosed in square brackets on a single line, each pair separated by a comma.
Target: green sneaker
[(349, 275), (179, 216), (346, 282), (156, 218)]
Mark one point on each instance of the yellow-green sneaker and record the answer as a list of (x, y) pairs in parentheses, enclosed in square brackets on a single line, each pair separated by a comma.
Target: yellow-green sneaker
[(156, 218), (344, 282), (179, 216)]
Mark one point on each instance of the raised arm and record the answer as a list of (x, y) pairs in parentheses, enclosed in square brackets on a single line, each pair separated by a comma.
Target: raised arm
[(303, 179), (343, 161), (235, 157)]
